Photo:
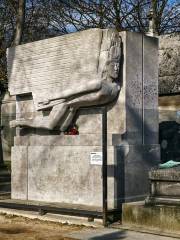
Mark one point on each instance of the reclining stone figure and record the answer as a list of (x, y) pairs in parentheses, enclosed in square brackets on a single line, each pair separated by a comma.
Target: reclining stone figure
[(65, 104)]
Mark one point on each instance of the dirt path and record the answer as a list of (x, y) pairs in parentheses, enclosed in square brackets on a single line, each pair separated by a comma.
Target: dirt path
[(19, 228)]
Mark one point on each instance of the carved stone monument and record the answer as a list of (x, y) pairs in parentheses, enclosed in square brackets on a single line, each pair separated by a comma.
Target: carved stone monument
[(53, 80)]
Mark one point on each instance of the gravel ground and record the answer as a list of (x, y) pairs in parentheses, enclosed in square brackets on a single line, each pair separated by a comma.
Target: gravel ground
[(22, 228), (19, 228)]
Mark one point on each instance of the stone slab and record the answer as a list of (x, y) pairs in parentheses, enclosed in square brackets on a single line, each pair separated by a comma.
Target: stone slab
[(19, 173), (165, 183), (64, 174), (64, 55), (133, 59), (60, 140), (133, 163), (140, 83), (171, 189), (150, 90), (162, 219)]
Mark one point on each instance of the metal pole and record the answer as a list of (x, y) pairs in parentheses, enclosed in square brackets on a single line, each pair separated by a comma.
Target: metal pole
[(104, 170)]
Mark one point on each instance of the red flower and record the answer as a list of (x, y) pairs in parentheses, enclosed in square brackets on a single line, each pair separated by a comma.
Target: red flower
[(72, 131)]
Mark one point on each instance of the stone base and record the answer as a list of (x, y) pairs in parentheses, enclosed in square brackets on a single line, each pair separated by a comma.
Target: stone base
[(62, 174), (65, 174), (133, 163), (5, 182), (161, 219)]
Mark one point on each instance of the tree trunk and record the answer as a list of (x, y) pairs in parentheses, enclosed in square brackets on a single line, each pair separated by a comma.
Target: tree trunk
[(155, 17), (19, 22)]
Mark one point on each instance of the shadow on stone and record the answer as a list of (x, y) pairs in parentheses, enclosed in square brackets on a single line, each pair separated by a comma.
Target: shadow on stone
[(111, 236), (169, 139)]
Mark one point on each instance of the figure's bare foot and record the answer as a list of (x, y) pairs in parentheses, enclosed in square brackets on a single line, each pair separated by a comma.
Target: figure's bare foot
[(12, 124)]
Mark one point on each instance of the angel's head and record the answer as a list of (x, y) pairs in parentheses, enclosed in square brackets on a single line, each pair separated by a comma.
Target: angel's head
[(110, 70)]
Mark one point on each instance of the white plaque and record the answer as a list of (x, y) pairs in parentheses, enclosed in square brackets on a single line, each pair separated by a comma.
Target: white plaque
[(96, 158)]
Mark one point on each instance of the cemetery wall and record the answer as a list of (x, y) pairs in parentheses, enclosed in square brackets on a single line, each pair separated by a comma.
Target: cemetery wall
[(169, 64)]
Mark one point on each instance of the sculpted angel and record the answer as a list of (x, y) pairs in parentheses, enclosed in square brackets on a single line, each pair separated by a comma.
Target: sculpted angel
[(102, 90)]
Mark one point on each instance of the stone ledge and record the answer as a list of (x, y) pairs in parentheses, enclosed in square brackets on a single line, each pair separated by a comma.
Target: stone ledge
[(172, 174), (159, 200), (164, 219)]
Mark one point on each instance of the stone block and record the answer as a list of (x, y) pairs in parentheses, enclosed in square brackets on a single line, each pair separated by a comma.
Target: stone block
[(133, 60), (140, 81), (133, 164), (69, 178), (150, 91), (158, 219), (19, 173), (165, 186)]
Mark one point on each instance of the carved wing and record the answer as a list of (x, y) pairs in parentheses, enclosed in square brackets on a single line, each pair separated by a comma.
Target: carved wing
[(48, 67)]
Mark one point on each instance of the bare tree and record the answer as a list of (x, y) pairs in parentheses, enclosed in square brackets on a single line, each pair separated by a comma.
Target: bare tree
[(122, 14), (19, 22), (46, 18)]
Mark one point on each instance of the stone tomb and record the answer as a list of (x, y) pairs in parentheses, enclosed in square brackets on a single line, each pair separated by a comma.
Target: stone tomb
[(52, 167), (165, 186)]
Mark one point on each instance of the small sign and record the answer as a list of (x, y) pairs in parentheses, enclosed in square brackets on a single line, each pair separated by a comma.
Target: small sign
[(96, 158)]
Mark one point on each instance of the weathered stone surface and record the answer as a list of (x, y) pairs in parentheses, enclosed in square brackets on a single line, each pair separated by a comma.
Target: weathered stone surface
[(95, 80), (8, 113), (171, 189), (165, 186), (150, 91), (169, 64), (163, 218), (70, 178), (169, 41), (134, 91), (169, 61), (66, 54), (64, 160), (140, 81), (169, 84), (172, 174), (132, 181), (19, 173)]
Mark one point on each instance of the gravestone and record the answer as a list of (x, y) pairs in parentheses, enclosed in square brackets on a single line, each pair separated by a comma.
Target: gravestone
[(56, 77)]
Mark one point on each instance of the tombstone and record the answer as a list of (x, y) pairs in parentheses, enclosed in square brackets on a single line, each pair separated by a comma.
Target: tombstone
[(64, 82)]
